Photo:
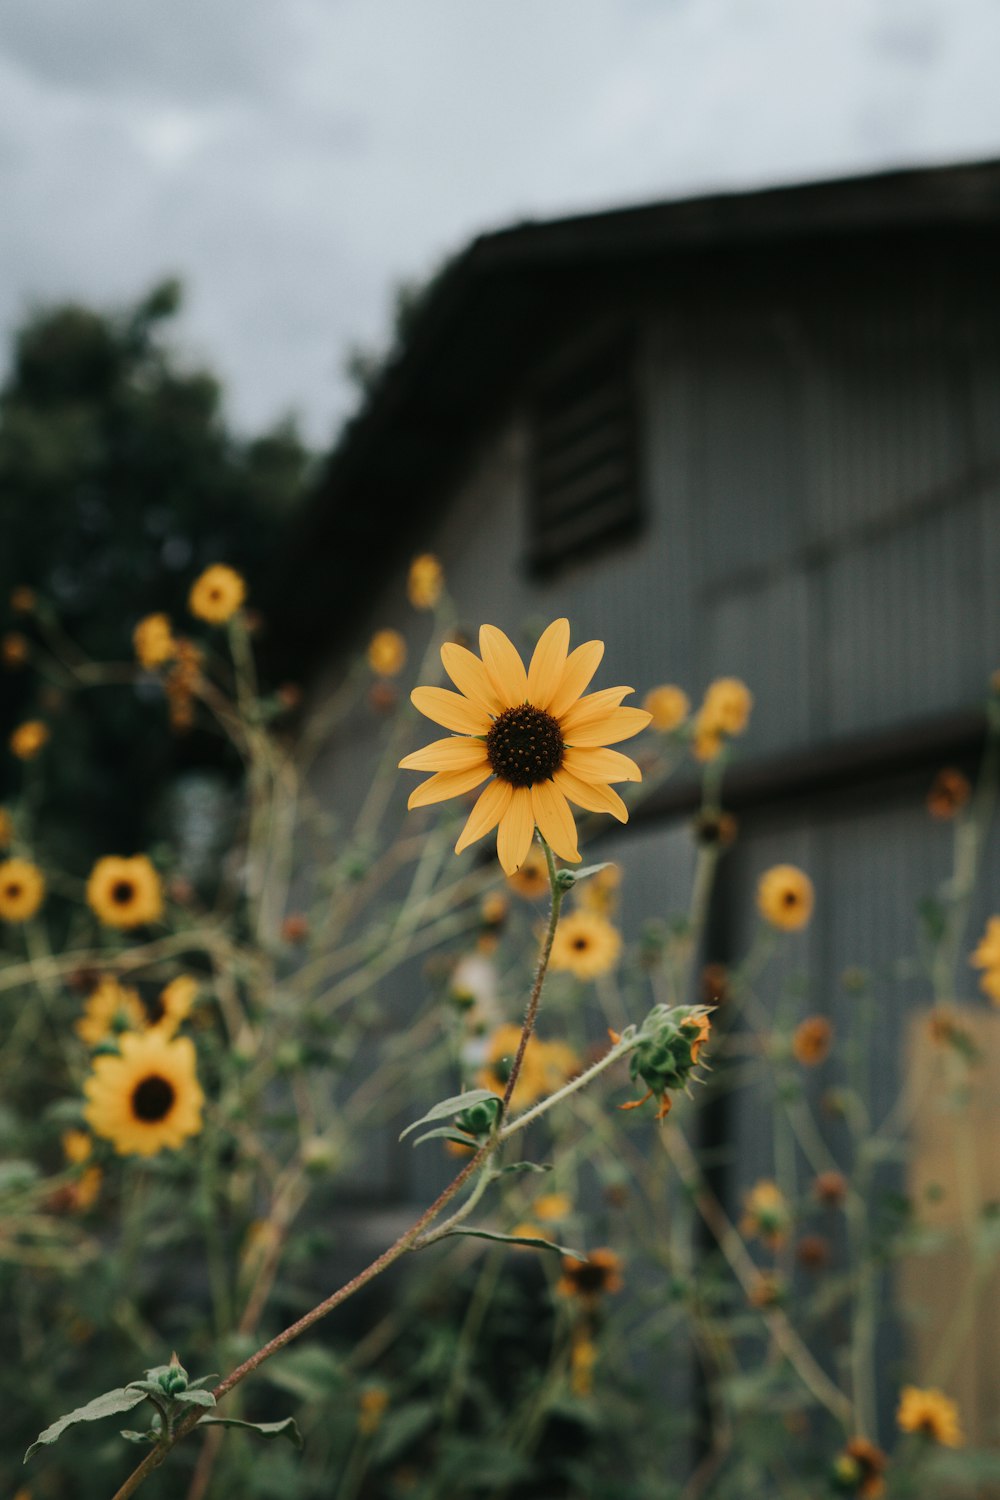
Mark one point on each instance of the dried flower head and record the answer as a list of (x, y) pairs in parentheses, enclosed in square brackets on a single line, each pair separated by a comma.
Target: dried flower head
[(949, 793)]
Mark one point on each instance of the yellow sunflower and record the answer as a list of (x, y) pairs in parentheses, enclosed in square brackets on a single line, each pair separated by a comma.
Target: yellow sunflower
[(785, 897), (217, 594), (585, 945), (29, 738), (111, 1008), (600, 1274), (425, 581), (22, 890), (931, 1413), (154, 641), (545, 1068), (125, 892), (387, 653), (147, 1097), (669, 706), (531, 734)]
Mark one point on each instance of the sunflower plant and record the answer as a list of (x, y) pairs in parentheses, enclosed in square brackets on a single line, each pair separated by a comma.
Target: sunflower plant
[(200, 1069)]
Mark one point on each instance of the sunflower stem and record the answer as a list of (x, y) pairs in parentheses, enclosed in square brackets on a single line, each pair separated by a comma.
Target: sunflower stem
[(531, 1014)]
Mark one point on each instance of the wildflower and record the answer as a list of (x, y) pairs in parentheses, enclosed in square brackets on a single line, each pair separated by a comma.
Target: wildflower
[(766, 1214), (23, 600), (546, 1066), (29, 738), (387, 653), (372, 1405), (147, 1097), (14, 649), (125, 892), (668, 707), (931, 1413), (858, 1470), (6, 829), (724, 712), (176, 1000), (785, 897), (665, 1059), (493, 913), (154, 641), (77, 1146), (425, 581), (812, 1040), (987, 958), (542, 744), (295, 928), (22, 890), (589, 1280), (217, 594), (949, 793), (551, 1207), (531, 879), (716, 830), (585, 945), (830, 1188), (111, 1009)]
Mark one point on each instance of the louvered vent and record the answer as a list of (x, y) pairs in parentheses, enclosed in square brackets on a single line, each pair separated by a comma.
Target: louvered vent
[(584, 459)]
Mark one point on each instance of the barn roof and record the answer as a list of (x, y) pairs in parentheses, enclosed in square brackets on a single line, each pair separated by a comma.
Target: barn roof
[(491, 310)]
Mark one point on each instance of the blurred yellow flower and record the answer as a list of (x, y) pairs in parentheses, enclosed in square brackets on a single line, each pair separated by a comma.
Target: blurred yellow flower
[(148, 1097), (110, 1009), (154, 642), (812, 1040), (14, 649), (551, 1207), (22, 890), (785, 897), (125, 892), (387, 653), (590, 1279), (600, 892), (546, 1066), (531, 735), (29, 738), (766, 1214), (585, 945), (217, 594), (372, 1405), (176, 1000), (425, 581), (531, 879), (931, 1413), (727, 705), (668, 705), (77, 1146), (949, 793)]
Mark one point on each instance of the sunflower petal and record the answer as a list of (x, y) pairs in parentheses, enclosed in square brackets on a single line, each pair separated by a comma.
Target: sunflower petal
[(486, 814), (517, 827), (446, 784), (552, 815), (547, 663), (590, 795), (593, 706), (470, 677), (504, 666), (600, 765), (457, 754), (451, 709), (580, 667), (619, 724)]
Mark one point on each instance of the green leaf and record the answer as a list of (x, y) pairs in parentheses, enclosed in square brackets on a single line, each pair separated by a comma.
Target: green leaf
[(107, 1405), (449, 1107), (524, 1166), (202, 1380), (518, 1239), (287, 1428), (194, 1398), (147, 1437), (447, 1133)]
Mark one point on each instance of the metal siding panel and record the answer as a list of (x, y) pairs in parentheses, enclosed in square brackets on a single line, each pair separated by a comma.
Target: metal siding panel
[(764, 635)]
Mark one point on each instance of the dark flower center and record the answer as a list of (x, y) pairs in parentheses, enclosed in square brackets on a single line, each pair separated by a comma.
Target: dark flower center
[(580, 944), (152, 1099), (122, 892), (589, 1278), (790, 898), (13, 890), (524, 745)]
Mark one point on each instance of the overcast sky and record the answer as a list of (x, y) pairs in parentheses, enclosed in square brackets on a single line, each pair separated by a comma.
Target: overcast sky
[(292, 159)]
